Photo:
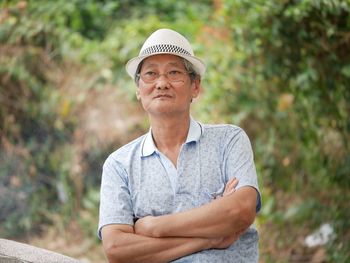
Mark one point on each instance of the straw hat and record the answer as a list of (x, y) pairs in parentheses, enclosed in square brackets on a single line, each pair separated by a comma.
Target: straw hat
[(166, 41)]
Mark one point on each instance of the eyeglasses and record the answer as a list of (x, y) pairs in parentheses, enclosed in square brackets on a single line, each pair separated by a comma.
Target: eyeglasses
[(172, 76)]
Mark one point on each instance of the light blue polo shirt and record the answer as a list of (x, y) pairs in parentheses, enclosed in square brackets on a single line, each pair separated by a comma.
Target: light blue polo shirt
[(138, 181)]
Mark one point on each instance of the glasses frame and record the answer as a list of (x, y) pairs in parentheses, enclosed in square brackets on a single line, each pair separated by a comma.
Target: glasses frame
[(185, 72)]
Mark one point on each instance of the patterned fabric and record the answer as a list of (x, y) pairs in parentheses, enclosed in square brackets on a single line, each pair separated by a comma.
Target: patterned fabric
[(136, 182), (148, 148), (164, 48)]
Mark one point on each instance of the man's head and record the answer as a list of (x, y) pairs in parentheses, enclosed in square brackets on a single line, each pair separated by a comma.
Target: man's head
[(166, 41), (167, 74), (166, 86)]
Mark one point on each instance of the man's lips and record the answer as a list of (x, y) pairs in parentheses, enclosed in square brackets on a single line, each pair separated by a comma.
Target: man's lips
[(160, 96)]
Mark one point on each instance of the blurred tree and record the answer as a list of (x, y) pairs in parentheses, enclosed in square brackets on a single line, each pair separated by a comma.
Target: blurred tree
[(284, 77)]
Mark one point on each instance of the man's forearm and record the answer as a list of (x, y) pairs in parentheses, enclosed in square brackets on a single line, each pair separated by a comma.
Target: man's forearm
[(129, 247), (223, 217)]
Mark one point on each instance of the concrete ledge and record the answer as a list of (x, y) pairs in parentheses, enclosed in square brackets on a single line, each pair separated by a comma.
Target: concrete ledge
[(16, 252)]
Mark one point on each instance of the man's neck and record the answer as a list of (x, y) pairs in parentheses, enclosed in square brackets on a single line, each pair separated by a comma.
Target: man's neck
[(170, 133)]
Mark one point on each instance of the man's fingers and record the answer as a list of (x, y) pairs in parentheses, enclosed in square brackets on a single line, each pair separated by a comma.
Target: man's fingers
[(230, 186), (233, 182)]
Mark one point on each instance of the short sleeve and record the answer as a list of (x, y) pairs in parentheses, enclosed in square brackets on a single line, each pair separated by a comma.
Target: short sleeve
[(115, 200), (239, 162)]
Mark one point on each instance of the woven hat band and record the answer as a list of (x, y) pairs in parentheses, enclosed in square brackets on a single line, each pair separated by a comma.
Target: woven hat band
[(164, 48)]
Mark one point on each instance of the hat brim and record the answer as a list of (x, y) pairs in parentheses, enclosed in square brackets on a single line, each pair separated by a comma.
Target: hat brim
[(133, 63)]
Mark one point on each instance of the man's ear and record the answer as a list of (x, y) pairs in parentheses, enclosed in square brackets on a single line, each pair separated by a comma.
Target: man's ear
[(196, 87)]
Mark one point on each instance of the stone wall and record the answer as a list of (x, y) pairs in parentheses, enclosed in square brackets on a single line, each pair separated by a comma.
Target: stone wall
[(16, 252)]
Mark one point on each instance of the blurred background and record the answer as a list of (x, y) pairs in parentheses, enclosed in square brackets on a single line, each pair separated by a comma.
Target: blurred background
[(278, 68)]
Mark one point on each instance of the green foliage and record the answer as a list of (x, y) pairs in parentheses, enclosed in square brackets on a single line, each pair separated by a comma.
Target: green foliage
[(89, 212), (284, 79), (34, 119)]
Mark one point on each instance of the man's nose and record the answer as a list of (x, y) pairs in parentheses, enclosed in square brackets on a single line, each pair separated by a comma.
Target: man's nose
[(162, 82)]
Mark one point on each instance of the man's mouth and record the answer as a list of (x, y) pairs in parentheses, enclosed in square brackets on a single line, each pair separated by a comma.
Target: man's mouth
[(159, 96)]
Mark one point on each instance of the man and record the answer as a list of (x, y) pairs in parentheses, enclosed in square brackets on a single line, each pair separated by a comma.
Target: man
[(185, 191)]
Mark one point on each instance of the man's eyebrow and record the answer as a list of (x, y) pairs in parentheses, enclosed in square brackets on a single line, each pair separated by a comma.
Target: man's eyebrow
[(174, 63), (178, 64)]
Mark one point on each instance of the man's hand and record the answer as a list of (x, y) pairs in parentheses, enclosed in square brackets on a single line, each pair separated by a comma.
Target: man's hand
[(222, 243), (230, 186), (144, 226)]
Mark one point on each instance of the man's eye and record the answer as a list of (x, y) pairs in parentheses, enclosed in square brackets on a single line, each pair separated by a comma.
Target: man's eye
[(150, 73), (174, 73)]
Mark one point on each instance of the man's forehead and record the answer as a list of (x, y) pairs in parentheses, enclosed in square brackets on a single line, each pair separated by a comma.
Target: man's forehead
[(163, 59)]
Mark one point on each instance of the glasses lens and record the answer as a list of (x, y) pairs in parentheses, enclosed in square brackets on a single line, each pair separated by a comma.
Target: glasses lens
[(172, 76), (149, 77), (175, 76)]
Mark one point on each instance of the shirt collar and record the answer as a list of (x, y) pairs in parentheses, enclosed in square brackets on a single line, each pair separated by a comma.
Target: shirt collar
[(194, 132), (148, 146)]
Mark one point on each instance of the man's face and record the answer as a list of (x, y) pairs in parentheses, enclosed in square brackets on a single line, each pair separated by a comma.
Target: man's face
[(161, 94)]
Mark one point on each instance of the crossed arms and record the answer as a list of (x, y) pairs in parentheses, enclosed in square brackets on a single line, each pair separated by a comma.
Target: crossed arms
[(164, 238)]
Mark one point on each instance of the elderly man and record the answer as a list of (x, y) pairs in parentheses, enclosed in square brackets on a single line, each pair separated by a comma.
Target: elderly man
[(185, 191)]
